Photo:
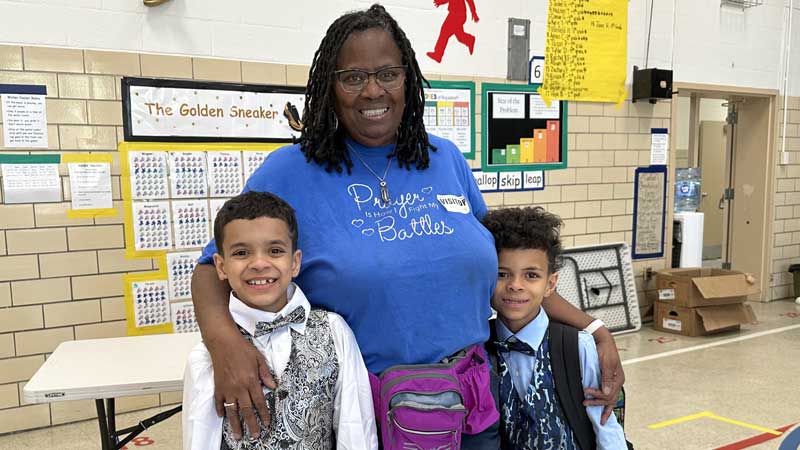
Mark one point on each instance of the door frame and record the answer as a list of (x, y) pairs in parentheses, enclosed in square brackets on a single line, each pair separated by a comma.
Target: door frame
[(725, 92)]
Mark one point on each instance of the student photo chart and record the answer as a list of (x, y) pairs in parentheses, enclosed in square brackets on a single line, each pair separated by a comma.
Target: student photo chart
[(520, 132)]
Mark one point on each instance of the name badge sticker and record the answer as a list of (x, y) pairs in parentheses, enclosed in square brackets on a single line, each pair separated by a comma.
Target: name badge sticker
[(454, 203)]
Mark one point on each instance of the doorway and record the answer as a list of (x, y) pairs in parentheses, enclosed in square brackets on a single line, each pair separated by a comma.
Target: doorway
[(728, 134)]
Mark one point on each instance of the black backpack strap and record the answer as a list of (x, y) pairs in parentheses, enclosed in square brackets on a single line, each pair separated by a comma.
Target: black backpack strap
[(491, 349), (565, 360)]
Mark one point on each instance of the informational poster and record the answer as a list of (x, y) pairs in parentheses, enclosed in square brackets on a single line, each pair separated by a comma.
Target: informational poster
[(450, 113), (659, 147), (649, 212), (151, 226), (173, 110), (179, 273), (225, 173), (24, 121), (150, 303), (188, 174), (183, 318), (252, 161), (190, 220), (520, 132), (509, 181), (586, 51), (31, 183), (148, 175), (90, 185)]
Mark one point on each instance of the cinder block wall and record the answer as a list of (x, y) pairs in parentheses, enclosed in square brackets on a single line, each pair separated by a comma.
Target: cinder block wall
[(786, 227), (61, 279)]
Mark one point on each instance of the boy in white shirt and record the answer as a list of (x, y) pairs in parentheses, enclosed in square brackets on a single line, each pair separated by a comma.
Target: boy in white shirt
[(323, 399)]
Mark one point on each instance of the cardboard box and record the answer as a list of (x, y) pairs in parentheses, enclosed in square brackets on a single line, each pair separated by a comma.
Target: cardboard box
[(703, 287), (701, 321)]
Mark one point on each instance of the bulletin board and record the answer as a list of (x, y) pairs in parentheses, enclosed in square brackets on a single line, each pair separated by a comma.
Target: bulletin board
[(189, 146), (450, 113), (171, 194), (520, 132), (649, 212)]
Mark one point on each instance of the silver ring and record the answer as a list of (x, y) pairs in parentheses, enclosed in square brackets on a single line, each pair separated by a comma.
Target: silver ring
[(228, 405)]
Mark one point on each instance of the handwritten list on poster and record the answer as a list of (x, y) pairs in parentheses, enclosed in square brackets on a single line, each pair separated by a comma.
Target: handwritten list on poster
[(586, 51), (649, 213)]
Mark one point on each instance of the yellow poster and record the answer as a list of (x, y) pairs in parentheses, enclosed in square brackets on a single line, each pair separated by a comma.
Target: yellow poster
[(586, 53)]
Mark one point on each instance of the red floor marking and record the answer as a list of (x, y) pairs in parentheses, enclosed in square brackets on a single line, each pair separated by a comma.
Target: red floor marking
[(793, 315), (663, 340), (755, 440)]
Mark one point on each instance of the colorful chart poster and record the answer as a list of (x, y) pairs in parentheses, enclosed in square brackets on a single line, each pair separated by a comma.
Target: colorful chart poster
[(148, 175), (190, 221), (188, 177), (586, 51), (252, 161), (183, 318), (225, 173), (179, 273), (151, 226), (450, 113), (150, 303)]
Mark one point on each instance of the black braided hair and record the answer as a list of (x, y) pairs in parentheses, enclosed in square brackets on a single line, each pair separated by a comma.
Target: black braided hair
[(321, 140)]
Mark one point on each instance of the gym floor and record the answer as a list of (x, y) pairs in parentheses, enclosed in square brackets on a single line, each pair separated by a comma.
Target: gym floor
[(731, 391)]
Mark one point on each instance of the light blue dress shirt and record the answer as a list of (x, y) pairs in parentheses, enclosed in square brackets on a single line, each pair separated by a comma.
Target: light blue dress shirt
[(609, 436)]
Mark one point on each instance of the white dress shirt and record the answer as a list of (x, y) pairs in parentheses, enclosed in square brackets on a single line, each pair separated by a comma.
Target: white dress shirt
[(354, 417), (609, 436)]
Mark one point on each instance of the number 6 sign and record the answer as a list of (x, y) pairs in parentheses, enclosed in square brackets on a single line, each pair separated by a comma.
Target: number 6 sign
[(536, 70)]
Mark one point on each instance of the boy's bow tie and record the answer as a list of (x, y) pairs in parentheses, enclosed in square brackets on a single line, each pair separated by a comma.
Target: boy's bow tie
[(298, 315), (513, 344)]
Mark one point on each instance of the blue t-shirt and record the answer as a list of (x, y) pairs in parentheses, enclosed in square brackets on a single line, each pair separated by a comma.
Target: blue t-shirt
[(413, 279)]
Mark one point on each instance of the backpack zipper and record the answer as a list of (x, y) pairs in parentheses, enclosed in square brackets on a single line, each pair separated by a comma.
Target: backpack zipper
[(397, 380)]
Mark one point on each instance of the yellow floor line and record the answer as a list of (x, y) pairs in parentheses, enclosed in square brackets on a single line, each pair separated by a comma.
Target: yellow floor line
[(711, 415), (680, 420), (746, 425)]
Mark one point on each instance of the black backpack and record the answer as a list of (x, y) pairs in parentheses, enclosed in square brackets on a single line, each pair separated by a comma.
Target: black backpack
[(566, 365)]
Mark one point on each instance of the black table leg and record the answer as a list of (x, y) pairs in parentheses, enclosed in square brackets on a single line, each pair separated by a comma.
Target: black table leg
[(101, 418), (111, 417)]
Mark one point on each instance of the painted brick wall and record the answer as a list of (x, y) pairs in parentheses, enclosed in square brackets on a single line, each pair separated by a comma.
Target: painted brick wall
[(61, 279)]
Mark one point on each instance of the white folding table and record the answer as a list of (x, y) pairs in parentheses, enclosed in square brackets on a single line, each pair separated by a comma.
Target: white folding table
[(103, 369)]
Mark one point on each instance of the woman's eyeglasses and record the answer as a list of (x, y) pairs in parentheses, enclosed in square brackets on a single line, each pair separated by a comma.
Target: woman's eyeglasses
[(388, 78)]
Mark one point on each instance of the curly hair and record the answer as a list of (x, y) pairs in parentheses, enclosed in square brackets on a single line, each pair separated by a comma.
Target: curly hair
[(253, 205), (526, 229), (321, 140)]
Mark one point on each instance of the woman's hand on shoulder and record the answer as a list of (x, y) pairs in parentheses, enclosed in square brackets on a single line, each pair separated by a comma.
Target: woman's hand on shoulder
[(239, 371), (611, 373)]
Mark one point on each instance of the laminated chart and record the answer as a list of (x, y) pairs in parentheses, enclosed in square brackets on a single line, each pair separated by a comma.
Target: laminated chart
[(190, 220), (449, 113), (252, 161), (225, 173), (148, 175), (599, 281), (179, 273), (151, 225), (150, 303), (183, 319), (188, 174)]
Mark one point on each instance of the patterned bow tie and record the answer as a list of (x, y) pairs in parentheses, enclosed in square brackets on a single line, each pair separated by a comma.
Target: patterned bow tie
[(298, 315), (513, 344)]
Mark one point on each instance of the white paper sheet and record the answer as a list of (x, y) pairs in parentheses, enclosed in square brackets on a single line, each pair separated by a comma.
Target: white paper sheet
[(150, 303), (225, 173), (216, 204), (659, 149), (31, 183), (90, 184), (183, 319), (508, 106), (24, 121), (151, 226), (179, 273), (252, 161), (148, 175), (540, 110), (190, 220), (187, 174)]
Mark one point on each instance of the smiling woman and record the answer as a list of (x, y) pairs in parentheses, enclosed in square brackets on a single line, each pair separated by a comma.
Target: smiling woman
[(389, 226)]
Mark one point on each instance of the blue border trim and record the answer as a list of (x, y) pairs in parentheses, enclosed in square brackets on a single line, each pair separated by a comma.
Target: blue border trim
[(640, 170), (500, 174), (23, 89)]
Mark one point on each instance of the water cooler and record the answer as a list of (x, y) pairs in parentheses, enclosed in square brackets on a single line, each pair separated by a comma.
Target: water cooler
[(687, 239)]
